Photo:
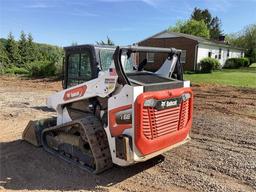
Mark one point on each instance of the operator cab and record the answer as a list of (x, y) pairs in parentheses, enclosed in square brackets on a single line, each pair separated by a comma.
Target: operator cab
[(83, 63), (134, 65)]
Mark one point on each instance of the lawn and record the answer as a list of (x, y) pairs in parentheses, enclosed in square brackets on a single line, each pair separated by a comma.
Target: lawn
[(244, 77)]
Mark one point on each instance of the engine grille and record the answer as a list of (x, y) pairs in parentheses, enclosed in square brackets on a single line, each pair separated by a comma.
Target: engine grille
[(159, 123)]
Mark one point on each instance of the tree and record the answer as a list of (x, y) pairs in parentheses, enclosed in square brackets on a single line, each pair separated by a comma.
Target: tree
[(108, 42), (204, 15), (32, 50), (25, 54), (213, 23), (192, 27), (215, 28), (4, 60), (12, 50), (23, 49), (246, 39)]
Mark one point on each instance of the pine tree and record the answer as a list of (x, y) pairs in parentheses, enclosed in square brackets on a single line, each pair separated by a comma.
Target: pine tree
[(12, 50), (31, 48), (215, 28), (23, 48), (204, 15), (4, 61), (108, 42)]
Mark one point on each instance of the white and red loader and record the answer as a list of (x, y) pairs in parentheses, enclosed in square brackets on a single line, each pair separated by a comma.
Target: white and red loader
[(112, 110)]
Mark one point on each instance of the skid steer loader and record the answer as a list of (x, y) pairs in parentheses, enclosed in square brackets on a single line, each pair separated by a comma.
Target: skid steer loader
[(112, 110)]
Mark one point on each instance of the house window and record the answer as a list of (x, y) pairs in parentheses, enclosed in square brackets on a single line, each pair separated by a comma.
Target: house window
[(150, 57), (242, 54), (209, 54), (183, 56), (220, 53), (228, 53)]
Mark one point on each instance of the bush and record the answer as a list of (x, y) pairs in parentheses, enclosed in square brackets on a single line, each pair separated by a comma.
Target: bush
[(234, 63), (41, 69), (251, 54), (1, 70), (208, 64), (15, 70)]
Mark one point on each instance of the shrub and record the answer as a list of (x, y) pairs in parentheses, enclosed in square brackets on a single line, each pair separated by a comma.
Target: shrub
[(208, 64), (15, 70), (234, 63), (1, 70), (41, 69)]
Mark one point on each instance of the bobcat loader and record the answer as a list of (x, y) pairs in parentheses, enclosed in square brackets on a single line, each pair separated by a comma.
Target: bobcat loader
[(113, 109)]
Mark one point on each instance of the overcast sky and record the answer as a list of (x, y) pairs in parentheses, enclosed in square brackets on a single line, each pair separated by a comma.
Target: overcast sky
[(62, 22)]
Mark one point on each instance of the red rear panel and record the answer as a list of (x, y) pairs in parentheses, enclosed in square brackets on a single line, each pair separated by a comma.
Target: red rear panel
[(155, 128)]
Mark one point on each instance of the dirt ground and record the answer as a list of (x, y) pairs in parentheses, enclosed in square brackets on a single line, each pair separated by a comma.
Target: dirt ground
[(220, 157)]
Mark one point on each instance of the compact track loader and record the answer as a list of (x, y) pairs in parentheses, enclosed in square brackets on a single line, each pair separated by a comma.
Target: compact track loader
[(112, 110)]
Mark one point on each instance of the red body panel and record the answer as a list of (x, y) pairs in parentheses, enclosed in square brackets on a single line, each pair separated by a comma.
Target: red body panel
[(156, 130), (74, 93), (117, 129)]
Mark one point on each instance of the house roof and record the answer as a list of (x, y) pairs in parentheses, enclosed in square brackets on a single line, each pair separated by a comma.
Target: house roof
[(170, 34)]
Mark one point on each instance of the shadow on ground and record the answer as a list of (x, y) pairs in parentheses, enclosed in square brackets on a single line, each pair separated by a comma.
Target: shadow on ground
[(26, 167), (43, 108)]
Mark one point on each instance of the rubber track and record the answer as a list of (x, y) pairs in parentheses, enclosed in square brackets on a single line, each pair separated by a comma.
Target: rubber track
[(96, 137)]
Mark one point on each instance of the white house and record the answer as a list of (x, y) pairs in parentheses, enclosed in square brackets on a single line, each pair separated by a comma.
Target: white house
[(193, 48), (218, 51)]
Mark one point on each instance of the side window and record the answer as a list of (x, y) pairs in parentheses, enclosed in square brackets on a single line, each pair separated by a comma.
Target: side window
[(106, 58), (73, 65), (85, 66)]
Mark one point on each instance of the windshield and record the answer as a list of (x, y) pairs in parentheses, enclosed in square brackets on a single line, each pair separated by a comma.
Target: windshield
[(106, 57), (149, 61), (146, 60)]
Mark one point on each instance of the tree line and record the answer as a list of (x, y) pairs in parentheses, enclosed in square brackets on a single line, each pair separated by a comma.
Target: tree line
[(26, 55), (203, 24), (246, 38)]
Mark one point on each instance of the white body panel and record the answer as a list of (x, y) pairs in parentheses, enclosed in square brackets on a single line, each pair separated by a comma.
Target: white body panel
[(126, 97), (102, 87)]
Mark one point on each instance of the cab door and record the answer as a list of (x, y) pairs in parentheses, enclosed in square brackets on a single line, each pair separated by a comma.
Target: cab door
[(79, 66)]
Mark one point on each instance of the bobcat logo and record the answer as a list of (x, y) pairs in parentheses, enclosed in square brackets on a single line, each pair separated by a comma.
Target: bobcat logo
[(169, 103)]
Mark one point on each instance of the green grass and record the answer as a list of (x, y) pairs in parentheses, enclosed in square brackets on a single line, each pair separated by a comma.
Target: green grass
[(244, 77)]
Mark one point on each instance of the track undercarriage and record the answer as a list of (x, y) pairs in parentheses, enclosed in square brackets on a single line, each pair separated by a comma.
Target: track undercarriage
[(82, 142)]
